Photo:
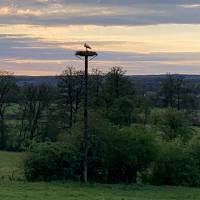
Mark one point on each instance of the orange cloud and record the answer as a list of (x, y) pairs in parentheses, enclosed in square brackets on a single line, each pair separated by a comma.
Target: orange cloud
[(5, 10)]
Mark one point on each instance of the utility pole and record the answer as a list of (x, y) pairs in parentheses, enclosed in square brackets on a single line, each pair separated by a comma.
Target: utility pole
[(87, 55)]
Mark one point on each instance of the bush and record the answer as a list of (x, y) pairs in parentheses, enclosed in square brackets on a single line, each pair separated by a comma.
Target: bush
[(131, 150), (178, 164), (169, 169), (193, 150), (115, 155), (51, 161), (127, 155)]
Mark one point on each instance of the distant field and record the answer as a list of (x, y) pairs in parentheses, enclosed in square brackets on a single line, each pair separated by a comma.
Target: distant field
[(16, 190)]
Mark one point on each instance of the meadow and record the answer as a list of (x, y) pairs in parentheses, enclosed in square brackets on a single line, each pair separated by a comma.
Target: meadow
[(11, 189)]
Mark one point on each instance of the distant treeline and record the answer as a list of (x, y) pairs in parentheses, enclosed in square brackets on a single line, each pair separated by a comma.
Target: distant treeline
[(144, 82)]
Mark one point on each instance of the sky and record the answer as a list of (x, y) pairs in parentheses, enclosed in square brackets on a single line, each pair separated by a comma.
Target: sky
[(40, 37)]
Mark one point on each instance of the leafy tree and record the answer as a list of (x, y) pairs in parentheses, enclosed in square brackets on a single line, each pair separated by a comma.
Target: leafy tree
[(122, 111), (33, 108), (7, 85), (116, 85), (95, 88), (118, 95), (70, 86), (172, 89), (145, 105), (174, 124)]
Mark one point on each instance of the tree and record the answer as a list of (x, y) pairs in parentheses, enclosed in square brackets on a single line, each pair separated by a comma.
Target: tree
[(36, 100), (7, 84), (95, 88), (121, 111), (174, 124), (118, 95), (174, 90), (145, 104), (116, 85), (70, 86)]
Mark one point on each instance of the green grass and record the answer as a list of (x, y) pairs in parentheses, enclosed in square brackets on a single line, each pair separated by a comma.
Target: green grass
[(10, 165), (21, 190), (75, 191)]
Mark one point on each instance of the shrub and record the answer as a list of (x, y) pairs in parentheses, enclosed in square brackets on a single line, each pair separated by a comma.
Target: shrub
[(51, 161), (177, 165), (115, 155), (169, 168), (193, 150), (132, 150)]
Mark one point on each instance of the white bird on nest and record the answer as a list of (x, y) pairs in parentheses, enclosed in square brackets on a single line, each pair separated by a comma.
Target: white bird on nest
[(87, 46)]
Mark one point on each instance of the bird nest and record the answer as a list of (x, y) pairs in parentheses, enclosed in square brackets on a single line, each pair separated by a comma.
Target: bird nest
[(86, 53)]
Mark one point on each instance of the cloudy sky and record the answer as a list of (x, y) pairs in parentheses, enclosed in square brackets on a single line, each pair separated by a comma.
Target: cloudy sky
[(39, 37)]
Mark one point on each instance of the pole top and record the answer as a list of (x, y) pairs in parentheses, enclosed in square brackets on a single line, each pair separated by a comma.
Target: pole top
[(86, 53)]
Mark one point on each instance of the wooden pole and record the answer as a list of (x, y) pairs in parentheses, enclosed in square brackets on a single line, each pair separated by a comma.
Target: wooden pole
[(86, 142), (86, 54)]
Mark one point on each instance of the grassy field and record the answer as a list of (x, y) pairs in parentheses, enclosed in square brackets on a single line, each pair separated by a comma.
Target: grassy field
[(20, 190), (75, 191)]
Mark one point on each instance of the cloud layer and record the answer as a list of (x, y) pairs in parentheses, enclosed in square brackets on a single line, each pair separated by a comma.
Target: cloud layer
[(33, 56), (100, 12), (144, 36)]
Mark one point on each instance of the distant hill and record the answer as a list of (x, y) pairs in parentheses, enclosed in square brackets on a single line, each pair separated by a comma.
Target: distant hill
[(144, 82), (152, 82), (52, 80)]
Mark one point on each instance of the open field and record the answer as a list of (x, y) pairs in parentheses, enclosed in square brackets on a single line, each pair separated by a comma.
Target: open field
[(16, 190)]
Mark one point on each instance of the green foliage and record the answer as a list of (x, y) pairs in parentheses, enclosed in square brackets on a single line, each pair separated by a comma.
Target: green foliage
[(14, 143), (178, 164), (130, 140), (179, 93), (122, 111), (51, 161), (70, 91), (173, 124), (172, 165), (20, 190), (115, 155), (193, 151), (131, 151), (33, 109), (7, 86), (116, 85)]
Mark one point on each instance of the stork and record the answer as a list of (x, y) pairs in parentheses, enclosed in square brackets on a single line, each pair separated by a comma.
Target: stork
[(87, 46)]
